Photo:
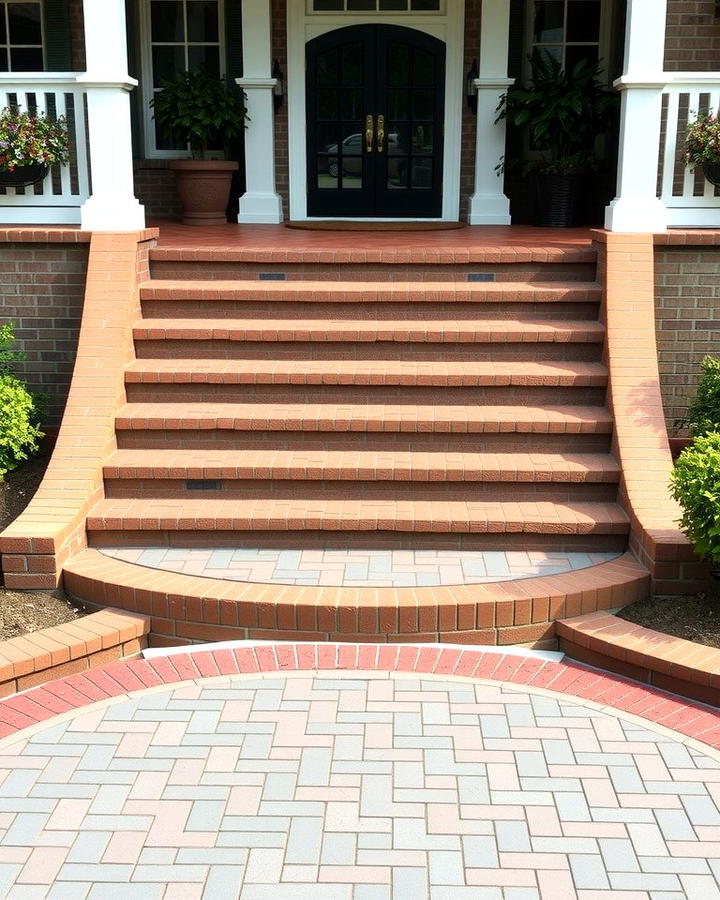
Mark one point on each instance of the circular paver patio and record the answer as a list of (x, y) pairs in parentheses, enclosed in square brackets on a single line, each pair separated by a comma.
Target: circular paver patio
[(356, 785)]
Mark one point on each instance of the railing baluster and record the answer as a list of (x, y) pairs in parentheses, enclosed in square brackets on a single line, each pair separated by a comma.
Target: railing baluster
[(65, 182), (670, 158), (81, 149)]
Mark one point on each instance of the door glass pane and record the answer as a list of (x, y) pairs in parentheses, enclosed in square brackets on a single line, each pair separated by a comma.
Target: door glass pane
[(361, 5), (352, 103), (352, 68), (421, 173), (425, 5), (202, 21), (328, 137), (204, 58), (25, 23), (583, 21), (328, 106), (398, 105), (328, 175), (422, 139), (167, 62), (26, 59), (397, 173), (549, 21), (327, 68), (392, 5), (351, 159), (423, 104), (327, 5), (423, 68), (167, 22), (398, 64), (398, 139)]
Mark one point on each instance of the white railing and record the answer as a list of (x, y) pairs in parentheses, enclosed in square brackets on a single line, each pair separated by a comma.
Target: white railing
[(690, 200), (58, 198)]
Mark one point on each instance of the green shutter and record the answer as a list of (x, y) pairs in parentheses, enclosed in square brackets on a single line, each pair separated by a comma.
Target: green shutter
[(57, 36), (233, 38)]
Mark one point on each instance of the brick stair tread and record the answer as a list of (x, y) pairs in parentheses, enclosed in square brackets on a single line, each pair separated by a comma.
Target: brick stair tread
[(342, 417), (353, 465), (443, 373), (419, 330), (361, 291), (276, 514)]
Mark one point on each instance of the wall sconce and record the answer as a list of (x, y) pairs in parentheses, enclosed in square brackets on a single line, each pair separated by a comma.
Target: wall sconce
[(279, 86), (471, 87)]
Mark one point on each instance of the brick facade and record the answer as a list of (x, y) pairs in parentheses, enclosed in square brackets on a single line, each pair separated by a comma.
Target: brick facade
[(692, 39), (687, 296), (155, 189), (279, 52), (77, 35), (42, 286)]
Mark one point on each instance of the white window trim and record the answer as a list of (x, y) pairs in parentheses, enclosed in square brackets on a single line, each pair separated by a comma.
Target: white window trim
[(603, 44), (448, 27), (7, 45), (146, 81)]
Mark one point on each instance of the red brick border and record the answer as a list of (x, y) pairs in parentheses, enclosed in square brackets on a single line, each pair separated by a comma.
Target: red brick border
[(38, 657), (574, 680), (683, 667)]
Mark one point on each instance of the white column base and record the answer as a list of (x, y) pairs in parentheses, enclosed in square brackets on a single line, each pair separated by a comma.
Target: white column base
[(103, 213), (261, 209), (636, 215), (489, 209)]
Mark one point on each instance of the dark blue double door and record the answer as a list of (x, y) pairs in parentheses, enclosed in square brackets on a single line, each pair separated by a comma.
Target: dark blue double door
[(375, 111)]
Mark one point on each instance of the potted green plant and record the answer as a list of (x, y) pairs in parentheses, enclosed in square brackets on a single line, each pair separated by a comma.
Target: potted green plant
[(563, 112), (29, 144), (702, 146), (201, 110)]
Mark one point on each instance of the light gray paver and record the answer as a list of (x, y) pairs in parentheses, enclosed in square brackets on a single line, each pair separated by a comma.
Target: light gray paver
[(356, 789)]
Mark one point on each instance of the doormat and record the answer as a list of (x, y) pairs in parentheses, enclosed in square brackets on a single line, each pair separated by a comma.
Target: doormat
[(359, 225)]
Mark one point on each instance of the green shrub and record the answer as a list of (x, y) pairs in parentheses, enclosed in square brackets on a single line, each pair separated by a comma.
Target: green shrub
[(703, 415), (695, 484), (20, 410)]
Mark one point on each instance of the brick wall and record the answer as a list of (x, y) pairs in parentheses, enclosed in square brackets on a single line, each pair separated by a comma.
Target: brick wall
[(279, 52), (77, 35), (469, 122), (155, 189), (692, 39), (42, 288), (687, 297)]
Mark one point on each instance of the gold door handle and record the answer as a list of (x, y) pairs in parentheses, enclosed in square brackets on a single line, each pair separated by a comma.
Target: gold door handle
[(380, 133), (369, 133)]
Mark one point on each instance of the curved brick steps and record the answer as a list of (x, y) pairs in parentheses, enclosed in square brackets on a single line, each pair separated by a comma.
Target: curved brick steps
[(370, 465), (185, 608)]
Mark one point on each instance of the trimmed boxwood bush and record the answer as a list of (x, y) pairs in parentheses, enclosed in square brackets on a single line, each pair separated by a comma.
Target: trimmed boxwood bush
[(703, 413), (695, 485), (19, 410)]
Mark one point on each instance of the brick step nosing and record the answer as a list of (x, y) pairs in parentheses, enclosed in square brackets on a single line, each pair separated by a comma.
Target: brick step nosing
[(297, 514), (369, 292), (370, 418), (367, 372), (368, 466)]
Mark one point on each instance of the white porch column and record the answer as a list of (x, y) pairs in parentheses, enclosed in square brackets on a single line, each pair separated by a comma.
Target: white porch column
[(260, 202), (489, 205), (636, 207), (112, 205)]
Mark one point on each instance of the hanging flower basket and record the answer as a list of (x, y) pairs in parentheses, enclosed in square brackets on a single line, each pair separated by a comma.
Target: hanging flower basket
[(711, 171), (23, 176), (702, 146)]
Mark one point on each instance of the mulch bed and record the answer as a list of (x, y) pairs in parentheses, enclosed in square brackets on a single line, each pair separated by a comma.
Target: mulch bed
[(24, 611), (693, 617)]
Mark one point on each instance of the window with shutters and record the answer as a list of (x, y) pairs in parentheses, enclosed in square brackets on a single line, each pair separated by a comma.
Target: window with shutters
[(569, 30), (21, 36), (178, 35)]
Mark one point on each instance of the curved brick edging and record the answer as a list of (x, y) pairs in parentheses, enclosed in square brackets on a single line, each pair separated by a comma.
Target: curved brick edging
[(73, 647), (52, 527), (187, 608), (684, 667), (693, 721), (640, 442)]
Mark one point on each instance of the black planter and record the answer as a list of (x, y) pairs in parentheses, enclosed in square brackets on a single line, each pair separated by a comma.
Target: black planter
[(23, 176), (712, 172), (559, 200)]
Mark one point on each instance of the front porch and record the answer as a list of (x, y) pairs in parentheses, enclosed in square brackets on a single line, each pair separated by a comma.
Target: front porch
[(98, 191)]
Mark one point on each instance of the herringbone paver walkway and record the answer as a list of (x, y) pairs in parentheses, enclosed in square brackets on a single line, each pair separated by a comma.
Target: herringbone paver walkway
[(356, 786)]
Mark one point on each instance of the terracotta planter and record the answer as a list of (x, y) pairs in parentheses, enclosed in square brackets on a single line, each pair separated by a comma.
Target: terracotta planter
[(204, 188)]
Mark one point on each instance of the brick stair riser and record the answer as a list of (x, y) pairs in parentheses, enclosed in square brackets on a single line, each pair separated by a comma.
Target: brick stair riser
[(329, 394), (376, 350), (371, 311), (227, 439), (212, 270), (359, 490), (380, 540)]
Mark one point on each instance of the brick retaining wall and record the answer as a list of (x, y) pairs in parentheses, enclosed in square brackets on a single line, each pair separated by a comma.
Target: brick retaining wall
[(42, 287)]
